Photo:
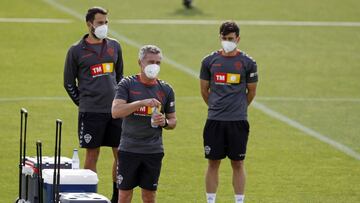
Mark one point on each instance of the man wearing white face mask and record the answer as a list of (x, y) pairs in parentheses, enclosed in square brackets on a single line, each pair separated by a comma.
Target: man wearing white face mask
[(228, 80), (147, 106), (93, 67)]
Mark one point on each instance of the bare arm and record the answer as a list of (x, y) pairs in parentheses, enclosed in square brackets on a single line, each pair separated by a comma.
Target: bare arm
[(205, 90), (251, 92), (121, 109)]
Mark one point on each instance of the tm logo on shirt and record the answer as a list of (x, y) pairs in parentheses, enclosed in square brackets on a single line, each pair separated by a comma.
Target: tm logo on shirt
[(101, 69), (144, 111), (227, 78)]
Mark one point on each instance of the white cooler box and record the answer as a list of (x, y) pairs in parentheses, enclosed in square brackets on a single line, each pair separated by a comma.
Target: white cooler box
[(82, 197), (71, 181)]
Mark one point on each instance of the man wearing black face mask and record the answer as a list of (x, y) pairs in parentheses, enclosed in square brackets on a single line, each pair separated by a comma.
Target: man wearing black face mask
[(93, 67)]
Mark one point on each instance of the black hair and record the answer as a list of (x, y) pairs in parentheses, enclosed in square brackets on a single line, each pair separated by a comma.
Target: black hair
[(228, 27), (90, 15)]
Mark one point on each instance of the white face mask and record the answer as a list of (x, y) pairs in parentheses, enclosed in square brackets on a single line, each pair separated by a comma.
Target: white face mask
[(101, 31), (228, 46), (152, 71)]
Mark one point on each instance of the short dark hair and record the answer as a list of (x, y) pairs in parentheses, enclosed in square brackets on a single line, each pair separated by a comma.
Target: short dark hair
[(228, 27), (90, 15)]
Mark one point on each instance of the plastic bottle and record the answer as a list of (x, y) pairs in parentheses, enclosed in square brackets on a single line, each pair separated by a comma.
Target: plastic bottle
[(155, 112), (75, 160)]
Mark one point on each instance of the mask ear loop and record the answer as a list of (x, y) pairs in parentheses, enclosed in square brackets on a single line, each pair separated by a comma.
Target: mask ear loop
[(93, 30)]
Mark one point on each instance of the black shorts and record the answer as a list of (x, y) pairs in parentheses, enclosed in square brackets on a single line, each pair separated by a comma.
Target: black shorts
[(138, 170), (98, 129), (225, 138)]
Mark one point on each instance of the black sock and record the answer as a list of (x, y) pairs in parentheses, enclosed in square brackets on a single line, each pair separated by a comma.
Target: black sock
[(115, 194)]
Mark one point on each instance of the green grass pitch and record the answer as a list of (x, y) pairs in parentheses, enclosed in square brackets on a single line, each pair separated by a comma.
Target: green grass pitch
[(310, 74)]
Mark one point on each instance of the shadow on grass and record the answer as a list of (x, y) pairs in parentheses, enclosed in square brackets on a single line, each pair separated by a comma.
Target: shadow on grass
[(194, 11)]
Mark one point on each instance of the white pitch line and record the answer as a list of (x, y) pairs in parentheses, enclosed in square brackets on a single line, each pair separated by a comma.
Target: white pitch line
[(295, 99), (303, 99), (60, 98), (257, 105), (15, 99), (258, 98), (240, 22), (34, 20), (186, 22), (306, 130)]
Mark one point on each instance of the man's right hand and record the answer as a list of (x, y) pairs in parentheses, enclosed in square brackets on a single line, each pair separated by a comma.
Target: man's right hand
[(151, 102)]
